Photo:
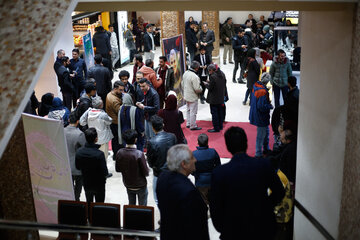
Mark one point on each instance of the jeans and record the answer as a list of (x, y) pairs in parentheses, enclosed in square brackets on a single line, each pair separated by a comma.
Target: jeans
[(154, 189), (132, 54), (262, 140), (276, 90), (191, 111), (228, 49), (247, 94), (114, 56), (149, 132), (141, 193), (217, 116), (237, 63), (99, 195), (115, 141), (77, 184)]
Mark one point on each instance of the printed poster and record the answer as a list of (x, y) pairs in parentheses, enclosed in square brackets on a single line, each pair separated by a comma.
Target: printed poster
[(49, 165), (173, 49), (122, 26), (88, 51)]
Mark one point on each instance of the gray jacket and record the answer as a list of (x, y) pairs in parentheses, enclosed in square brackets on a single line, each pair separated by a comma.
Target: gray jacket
[(74, 140)]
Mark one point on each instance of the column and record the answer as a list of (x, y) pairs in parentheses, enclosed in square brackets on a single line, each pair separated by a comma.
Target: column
[(212, 18), (172, 23), (326, 120), (349, 227)]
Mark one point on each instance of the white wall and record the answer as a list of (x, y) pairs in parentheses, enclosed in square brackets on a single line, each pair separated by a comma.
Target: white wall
[(239, 17), (322, 117), (197, 15), (47, 81), (152, 16)]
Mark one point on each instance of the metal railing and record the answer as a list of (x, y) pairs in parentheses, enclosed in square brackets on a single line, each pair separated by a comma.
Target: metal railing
[(25, 225)]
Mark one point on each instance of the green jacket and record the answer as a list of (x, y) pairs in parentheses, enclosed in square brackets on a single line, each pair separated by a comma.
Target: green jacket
[(280, 72), (227, 31)]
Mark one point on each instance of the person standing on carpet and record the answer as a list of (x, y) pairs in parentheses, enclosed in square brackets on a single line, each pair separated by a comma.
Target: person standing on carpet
[(192, 89), (259, 115), (244, 182), (207, 159), (215, 97)]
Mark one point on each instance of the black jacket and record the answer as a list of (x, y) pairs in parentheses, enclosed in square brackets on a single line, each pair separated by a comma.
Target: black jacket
[(288, 161), (151, 102), (253, 69), (147, 42), (64, 80), (239, 52), (157, 148), (84, 103), (183, 211), (129, 88), (191, 39), (101, 41), (207, 63), (209, 38), (91, 161), (216, 88), (102, 77), (169, 78), (239, 203)]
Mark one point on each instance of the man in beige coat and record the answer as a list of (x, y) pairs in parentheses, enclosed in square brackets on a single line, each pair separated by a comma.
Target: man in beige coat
[(192, 89)]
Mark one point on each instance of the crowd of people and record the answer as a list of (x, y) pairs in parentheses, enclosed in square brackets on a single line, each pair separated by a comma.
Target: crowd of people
[(251, 197)]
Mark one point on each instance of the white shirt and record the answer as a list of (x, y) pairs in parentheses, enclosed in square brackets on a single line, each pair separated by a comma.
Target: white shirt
[(152, 41), (113, 40)]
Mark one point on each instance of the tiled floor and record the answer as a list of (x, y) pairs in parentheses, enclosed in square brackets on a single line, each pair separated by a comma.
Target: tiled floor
[(236, 112)]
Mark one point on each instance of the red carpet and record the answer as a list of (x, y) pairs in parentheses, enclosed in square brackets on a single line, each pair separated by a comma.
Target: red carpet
[(217, 141)]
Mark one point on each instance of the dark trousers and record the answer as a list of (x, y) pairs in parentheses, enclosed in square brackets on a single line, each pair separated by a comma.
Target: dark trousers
[(202, 80), (103, 98), (240, 61), (217, 116), (115, 141), (77, 184), (99, 195), (141, 194), (132, 54), (67, 99), (276, 90), (192, 54)]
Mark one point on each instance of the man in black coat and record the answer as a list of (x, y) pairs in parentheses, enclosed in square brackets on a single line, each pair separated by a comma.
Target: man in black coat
[(57, 63), (149, 45), (191, 41), (207, 39), (240, 204), (101, 42), (102, 77), (216, 96), (91, 161), (240, 46), (205, 60), (65, 82), (183, 211), (157, 148)]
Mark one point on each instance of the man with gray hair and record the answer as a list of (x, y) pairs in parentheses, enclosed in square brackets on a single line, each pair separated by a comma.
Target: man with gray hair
[(183, 211), (216, 95), (192, 90)]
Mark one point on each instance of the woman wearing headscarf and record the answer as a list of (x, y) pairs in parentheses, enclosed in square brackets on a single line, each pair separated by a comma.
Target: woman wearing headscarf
[(252, 72), (173, 118), (45, 104), (131, 117), (59, 112)]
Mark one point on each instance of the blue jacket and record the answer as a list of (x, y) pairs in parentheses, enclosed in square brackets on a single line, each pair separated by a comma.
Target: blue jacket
[(260, 106), (206, 160)]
